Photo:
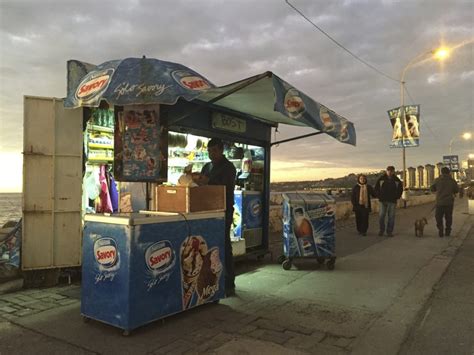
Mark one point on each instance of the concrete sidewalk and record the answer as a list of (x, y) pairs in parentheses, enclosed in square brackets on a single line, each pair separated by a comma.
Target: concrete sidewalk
[(365, 306)]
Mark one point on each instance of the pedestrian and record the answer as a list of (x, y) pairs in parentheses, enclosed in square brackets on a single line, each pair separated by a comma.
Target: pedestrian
[(220, 171), (361, 194), (461, 191), (388, 189), (445, 187)]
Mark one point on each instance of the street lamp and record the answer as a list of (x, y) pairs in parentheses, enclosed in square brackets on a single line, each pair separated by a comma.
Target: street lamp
[(466, 136), (440, 54)]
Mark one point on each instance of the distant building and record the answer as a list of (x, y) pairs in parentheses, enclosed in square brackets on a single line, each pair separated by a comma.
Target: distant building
[(438, 168), (429, 175), (420, 173), (411, 177)]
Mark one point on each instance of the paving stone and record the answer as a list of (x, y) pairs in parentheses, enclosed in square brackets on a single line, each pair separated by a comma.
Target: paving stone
[(8, 309), (25, 298), (267, 324), (247, 329), (57, 297), (67, 301), (42, 306), (248, 319), (341, 342), (41, 295), (8, 316), (214, 343), (177, 347), (25, 312), (302, 330), (270, 335), (303, 342)]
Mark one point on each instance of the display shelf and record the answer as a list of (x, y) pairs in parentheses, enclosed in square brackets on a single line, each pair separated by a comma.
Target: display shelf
[(95, 128), (101, 146), (100, 159)]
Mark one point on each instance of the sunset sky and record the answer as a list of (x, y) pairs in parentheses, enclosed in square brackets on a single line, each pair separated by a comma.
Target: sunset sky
[(229, 40)]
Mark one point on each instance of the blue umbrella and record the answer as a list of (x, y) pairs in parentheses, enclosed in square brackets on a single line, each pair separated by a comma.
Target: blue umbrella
[(131, 81)]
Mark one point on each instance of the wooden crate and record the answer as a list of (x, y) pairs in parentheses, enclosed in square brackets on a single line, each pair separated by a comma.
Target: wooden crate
[(190, 199)]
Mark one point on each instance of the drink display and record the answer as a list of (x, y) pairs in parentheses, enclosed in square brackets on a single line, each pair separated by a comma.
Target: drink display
[(308, 226)]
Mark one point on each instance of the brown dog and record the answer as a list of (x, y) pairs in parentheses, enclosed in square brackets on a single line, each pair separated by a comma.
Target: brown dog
[(420, 226)]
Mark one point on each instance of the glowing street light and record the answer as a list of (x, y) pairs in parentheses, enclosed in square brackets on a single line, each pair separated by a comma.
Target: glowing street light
[(466, 136), (471, 156), (439, 54)]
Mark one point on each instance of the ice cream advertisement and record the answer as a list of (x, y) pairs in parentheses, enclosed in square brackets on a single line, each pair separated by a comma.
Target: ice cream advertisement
[(201, 269)]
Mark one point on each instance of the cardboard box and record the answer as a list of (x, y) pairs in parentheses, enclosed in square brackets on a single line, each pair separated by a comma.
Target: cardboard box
[(189, 199)]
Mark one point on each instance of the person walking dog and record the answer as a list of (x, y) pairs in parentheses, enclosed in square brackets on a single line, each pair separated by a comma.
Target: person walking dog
[(445, 187), (361, 194)]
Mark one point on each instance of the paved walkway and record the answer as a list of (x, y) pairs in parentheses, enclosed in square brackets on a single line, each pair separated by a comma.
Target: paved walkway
[(367, 305), (446, 324)]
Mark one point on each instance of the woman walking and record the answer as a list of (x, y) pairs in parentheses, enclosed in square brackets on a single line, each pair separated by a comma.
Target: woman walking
[(361, 205)]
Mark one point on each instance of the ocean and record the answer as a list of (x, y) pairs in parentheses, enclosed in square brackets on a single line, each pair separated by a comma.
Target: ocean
[(10, 207)]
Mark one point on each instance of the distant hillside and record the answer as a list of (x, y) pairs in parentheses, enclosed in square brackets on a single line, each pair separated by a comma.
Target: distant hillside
[(345, 182)]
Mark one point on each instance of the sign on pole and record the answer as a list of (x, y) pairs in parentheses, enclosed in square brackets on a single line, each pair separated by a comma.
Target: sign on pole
[(406, 130), (452, 162)]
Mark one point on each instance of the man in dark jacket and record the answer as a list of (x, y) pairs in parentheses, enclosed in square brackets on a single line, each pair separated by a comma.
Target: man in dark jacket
[(445, 187), (388, 189)]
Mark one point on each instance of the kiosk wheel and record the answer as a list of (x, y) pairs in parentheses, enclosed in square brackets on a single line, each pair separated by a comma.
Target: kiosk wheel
[(320, 260), (126, 333), (86, 319), (286, 264), (281, 259)]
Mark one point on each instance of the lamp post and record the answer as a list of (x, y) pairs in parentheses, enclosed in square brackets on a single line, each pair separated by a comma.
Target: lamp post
[(440, 54), (466, 136)]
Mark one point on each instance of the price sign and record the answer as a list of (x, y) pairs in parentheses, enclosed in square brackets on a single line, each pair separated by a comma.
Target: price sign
[(228, 123)]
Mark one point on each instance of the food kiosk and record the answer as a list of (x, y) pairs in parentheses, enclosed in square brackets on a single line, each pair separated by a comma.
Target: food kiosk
[(143, 122)]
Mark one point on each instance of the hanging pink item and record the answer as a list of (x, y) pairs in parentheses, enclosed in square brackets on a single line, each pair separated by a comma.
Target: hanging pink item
[(105, 202)]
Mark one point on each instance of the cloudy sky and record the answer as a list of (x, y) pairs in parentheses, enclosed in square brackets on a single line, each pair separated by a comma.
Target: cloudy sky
[(229, 40)]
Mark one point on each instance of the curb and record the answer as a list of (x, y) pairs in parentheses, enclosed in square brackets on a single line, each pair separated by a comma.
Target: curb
[(388, 332)]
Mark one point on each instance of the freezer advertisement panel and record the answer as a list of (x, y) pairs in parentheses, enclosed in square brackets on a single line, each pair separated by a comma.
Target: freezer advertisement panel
[(252, 211), (308, 227), (104, 273), (237, 221), (133, 275)]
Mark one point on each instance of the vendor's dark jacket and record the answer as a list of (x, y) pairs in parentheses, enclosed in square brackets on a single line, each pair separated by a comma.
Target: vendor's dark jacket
[(388, 189), (222, 173), (445, 187), (356, 194)]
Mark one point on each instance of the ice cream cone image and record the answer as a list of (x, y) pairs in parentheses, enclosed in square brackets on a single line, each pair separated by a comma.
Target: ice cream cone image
[(208, 281), (193, 250)]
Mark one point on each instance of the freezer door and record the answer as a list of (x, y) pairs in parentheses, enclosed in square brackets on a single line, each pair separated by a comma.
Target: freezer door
[(52, 184)]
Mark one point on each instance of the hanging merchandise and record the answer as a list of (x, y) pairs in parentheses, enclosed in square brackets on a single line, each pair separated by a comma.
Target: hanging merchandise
[(113, 191), (105, 202)]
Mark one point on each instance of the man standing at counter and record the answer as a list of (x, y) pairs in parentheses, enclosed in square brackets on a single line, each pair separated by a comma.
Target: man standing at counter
[(221, 171)]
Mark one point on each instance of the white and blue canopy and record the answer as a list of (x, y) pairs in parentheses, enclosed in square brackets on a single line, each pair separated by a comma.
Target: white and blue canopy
[(264, 97)]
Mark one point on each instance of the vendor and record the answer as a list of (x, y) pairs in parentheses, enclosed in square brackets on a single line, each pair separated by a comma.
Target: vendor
[(221, 171)]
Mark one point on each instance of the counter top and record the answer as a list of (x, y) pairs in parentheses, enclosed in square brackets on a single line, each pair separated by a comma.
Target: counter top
[(149, 217)]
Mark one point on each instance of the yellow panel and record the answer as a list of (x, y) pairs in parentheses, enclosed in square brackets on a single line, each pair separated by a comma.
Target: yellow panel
[(67, 239)]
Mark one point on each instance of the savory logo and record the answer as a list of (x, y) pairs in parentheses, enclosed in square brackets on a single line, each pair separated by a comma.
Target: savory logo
[(159, 257), (190, 80), (93, 84), (105, 252), (294, 104)]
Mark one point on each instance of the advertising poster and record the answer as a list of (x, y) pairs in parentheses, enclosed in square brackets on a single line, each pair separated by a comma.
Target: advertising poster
[(140, 145), (406, 131)]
